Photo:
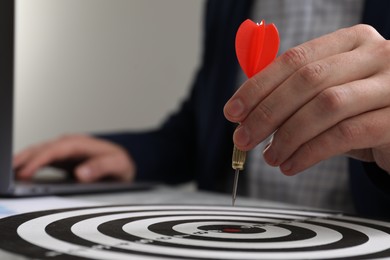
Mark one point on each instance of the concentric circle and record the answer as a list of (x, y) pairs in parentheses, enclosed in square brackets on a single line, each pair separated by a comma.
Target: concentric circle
[(193, 232)]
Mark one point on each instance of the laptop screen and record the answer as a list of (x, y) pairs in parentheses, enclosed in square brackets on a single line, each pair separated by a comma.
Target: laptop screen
[(7, 14)]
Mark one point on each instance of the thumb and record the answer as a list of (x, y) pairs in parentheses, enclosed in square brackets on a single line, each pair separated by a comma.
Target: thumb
[(100, 167)]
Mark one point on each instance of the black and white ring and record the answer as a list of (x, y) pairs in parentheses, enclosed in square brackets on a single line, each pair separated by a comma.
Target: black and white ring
[(193, 232)]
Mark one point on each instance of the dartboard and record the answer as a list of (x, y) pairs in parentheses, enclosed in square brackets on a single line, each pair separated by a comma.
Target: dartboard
[(193, 232)]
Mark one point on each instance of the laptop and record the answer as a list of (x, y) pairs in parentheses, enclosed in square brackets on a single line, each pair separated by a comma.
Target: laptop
[(8, 185)]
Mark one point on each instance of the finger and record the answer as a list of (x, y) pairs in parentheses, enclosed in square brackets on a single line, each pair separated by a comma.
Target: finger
[(363, 131), (324, 111), (299, 89), (262, 84), (21, 157), (36, 161), (116, 166), (66, 147), (25, 164)]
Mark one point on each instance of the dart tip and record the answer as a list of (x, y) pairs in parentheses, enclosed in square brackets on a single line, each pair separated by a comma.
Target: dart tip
[(234, 192)]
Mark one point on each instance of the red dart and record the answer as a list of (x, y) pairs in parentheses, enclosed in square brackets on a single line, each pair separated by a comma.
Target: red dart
[(256, 46)]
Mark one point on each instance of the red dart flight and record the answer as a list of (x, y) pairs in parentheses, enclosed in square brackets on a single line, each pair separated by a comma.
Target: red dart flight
[(256, 46)]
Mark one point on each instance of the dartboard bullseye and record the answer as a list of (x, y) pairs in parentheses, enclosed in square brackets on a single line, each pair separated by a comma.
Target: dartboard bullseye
[(192, 232)]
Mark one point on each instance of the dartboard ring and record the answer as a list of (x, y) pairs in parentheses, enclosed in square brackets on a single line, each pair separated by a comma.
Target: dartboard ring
[(192, 232)]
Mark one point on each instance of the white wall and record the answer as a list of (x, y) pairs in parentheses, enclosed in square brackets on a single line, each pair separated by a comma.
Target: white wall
[(101, 65)]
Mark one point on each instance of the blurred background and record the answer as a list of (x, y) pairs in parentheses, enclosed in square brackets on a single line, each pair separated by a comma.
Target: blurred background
[(101, 65)]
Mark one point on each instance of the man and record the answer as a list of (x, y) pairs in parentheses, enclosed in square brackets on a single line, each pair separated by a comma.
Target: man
[(326, 97)]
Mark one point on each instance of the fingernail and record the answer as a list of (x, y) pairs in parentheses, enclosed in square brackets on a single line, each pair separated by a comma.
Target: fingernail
[(286, 167), (235, 108), (241, 136), (270, 155)]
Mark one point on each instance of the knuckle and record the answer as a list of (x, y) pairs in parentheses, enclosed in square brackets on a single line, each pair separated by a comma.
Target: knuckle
[(60, 143), (256, 87), (295, 57), (365, 30), (71, 137), (348, 131), (360, 33), (383, 49), (64, 140), (308, 149), (331, 100), (284, 136), (65, 137), (312, 73), (263, 114)]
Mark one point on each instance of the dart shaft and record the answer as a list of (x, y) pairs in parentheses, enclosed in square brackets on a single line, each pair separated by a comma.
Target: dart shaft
[(238, 161)]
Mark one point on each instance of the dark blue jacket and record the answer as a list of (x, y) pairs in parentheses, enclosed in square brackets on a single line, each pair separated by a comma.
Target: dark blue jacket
[(195, 143)]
